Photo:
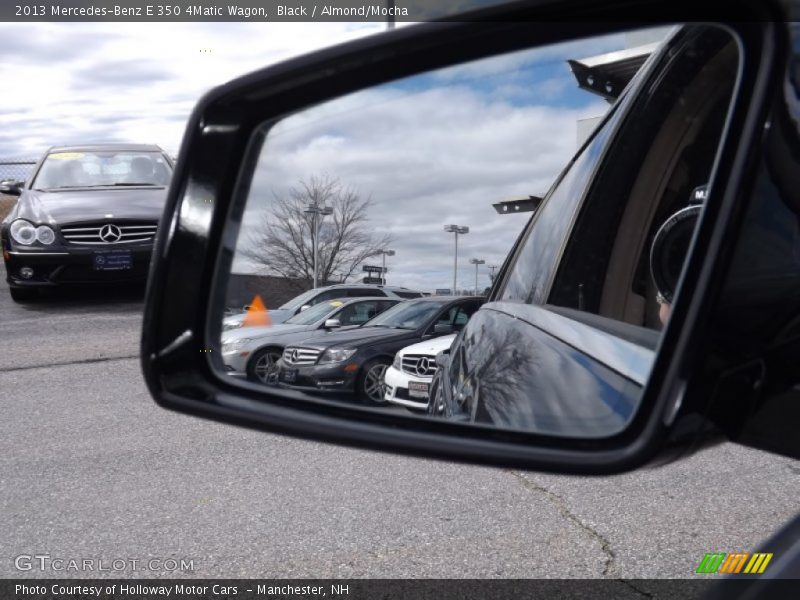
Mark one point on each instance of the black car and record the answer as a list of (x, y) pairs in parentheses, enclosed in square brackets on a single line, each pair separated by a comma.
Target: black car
[(354, 361), (89, 214)]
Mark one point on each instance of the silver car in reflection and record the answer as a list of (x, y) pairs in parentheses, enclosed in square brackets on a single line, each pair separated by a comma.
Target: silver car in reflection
[(253, 351)]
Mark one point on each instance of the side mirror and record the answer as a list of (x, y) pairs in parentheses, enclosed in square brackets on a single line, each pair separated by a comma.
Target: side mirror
[(560, 370), (332, 324), (11, 188), (304, 307)]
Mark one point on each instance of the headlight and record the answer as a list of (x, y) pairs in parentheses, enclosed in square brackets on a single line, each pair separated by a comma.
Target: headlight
[(396, 363), (23, 232), (333, 355), (234, 345), (45, 235)]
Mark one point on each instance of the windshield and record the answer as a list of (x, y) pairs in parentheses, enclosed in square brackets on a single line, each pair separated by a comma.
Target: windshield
[(406, 315), (315, 313), (298, 301), (102, 169)]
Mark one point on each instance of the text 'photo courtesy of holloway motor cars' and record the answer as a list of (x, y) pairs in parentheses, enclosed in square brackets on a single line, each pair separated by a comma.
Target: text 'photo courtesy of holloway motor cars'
[(88, 214)]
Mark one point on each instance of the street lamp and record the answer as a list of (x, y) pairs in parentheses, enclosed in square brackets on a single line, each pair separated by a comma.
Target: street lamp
[(384, 254), (493, 269), (318, 211), (456, 229), (476, 262)]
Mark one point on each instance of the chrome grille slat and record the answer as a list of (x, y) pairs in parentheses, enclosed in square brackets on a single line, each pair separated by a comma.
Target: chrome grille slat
[(410, 365), (304, 356), (89, 233)]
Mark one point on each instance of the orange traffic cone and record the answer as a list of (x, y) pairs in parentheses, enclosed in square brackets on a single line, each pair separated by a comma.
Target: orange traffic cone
[(257, 315)]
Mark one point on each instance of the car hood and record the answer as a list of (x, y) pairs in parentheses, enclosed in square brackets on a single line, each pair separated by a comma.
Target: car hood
[(82, 205), (358, 336), (432, 347), (264, 331)]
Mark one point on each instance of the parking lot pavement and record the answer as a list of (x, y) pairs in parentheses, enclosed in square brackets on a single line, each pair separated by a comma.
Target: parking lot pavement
[(90, 467)]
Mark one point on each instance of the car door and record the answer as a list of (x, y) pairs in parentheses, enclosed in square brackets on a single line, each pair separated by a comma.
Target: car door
[(577, 302)]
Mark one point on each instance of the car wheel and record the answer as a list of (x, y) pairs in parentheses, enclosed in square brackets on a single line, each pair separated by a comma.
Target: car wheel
[(23, 294), (263, 364), (371, 388)]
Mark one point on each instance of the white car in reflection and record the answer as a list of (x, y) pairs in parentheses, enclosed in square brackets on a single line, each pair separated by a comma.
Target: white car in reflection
[(408, 380)]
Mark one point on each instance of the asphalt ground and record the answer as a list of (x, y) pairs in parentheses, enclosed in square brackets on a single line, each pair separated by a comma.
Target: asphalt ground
[(91, 468)]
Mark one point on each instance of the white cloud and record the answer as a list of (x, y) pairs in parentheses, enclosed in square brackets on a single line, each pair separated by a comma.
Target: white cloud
[(78, 82), (435, 150)]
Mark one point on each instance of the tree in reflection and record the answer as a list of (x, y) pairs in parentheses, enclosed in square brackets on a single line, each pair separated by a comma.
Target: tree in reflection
[(282, 242)]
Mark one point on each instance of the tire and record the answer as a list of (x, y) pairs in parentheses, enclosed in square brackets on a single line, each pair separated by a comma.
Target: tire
[(262, 364), (370, 386), (23, 294)]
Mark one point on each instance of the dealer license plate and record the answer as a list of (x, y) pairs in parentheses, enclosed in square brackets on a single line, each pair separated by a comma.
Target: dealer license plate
[(113, 261), (417, 389)]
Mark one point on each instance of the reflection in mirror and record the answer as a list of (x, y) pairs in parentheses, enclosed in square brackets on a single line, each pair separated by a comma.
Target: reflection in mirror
[(377, 225)]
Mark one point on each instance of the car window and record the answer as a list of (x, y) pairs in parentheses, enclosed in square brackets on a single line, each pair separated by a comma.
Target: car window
[(330, 294), (457, 316), (101, 169), (360, 292), (663, 156), (407, 315), (357, 313), (589, 247), (313, 314)]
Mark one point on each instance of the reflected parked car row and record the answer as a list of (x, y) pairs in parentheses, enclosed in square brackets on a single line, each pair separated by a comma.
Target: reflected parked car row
[(350, 345)]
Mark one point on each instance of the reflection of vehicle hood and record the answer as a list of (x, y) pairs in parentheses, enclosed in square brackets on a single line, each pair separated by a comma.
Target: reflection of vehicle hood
[(432, 347), (65, 207), (359, 336), (269, 331)]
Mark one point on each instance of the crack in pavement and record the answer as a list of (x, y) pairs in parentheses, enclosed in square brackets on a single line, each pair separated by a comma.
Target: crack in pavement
[(562, 507), (85, 361)]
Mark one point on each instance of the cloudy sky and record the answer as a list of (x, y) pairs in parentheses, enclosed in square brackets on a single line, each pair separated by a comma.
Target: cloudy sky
[(436, 149), (78, 82), (428, 151)]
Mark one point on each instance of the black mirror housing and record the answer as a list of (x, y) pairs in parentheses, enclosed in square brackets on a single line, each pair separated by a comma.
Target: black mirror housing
[(180, 352)]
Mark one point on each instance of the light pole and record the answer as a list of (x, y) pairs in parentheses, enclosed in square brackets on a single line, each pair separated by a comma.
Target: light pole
[(476, 262), (384, 253), (456, 229), (318, 211), (491, 275)]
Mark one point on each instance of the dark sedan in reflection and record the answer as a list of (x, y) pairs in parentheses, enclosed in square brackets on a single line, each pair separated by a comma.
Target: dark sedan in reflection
[(354, 361), (89, 214)]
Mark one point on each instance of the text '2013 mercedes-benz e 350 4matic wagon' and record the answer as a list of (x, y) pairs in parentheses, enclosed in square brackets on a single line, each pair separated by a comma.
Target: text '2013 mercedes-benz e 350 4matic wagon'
[(88, 214)]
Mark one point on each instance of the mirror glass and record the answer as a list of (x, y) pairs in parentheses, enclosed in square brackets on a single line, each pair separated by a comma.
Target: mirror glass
[(495, 243)]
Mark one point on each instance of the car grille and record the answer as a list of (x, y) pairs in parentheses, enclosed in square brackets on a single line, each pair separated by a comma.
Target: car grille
[(105, 234), (300, 356), (421, 365)]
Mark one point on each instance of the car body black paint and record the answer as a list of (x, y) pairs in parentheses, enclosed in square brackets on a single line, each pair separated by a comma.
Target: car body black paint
[(72, 262), (370, 343)]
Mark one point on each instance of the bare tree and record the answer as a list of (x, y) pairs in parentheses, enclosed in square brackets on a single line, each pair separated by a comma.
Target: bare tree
[(282, 243)]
